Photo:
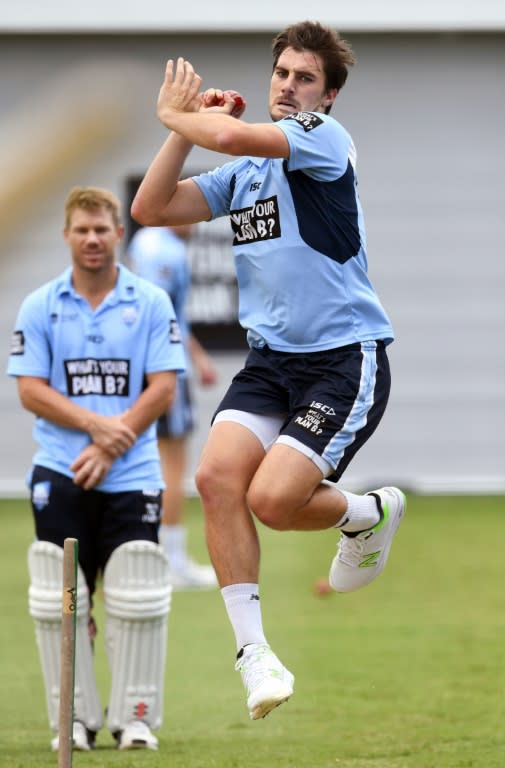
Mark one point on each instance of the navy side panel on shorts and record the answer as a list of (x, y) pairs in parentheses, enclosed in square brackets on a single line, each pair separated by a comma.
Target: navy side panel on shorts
[(341, 411)]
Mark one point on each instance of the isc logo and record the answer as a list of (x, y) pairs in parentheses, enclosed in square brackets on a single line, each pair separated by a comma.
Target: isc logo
[(323, 408)]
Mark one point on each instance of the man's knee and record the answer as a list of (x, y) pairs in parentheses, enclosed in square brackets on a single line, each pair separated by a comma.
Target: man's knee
[(269, 507), (207, 480), (215, 480)]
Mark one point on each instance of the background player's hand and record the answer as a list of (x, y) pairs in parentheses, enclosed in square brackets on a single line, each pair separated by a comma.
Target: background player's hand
[(91, 466), (207, 374), (229, 102), (180, 89), (111, 434)]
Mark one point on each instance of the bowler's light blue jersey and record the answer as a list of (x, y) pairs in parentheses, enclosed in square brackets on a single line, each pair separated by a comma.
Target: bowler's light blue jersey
[(98, 359), (158, 255), (299, 241)]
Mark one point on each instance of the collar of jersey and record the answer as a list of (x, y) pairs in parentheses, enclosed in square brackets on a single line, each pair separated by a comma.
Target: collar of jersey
[(124, 290), (258, 161)]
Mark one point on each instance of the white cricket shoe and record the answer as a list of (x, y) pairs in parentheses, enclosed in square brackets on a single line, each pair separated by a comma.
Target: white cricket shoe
[(136, 735), (266, 681), (192, 576), (83, 740), (361, 557)]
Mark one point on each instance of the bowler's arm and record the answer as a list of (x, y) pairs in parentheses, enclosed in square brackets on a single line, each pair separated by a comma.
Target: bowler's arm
[(209, 120)]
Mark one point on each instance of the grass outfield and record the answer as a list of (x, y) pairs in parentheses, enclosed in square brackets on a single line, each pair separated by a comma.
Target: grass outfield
[(407, 673)]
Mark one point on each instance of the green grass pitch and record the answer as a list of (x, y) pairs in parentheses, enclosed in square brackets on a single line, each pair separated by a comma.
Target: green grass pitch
[(407, 673)]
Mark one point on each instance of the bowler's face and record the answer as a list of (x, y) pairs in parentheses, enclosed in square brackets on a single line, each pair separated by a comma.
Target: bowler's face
[(298, 85)]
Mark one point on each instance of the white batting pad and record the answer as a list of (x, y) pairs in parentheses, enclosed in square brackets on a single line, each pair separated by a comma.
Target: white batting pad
[(137, 594), (45, 565)]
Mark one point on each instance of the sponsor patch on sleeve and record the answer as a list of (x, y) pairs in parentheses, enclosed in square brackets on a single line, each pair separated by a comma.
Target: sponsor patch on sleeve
[(308, 120), (17, 343), (175, 332)]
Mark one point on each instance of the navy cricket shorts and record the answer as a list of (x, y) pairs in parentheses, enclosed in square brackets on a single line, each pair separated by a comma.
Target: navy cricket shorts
[(331, 401), (100, 521), (179, 419)]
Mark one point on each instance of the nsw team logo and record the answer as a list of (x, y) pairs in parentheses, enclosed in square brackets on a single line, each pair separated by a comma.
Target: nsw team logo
[(129, 315), (40, 494)]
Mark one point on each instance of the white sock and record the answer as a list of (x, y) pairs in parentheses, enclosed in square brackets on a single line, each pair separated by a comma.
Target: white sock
[(362, 513), (173, 540), (242, 603)]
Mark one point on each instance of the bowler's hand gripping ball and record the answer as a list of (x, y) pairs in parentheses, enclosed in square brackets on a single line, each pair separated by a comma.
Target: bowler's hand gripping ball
[(239, 102)]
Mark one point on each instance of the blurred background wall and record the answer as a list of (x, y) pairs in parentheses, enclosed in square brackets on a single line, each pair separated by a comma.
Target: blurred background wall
[(425, 104)]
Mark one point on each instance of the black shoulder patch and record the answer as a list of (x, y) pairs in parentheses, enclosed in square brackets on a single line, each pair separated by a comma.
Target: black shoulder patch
[(17, 343), (308, 120), (175, 332)]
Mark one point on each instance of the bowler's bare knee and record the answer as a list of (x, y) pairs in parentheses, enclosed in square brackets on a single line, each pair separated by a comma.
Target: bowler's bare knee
[(271, 507)]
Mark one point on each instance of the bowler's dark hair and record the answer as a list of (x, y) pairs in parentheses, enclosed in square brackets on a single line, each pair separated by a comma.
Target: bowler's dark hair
[(336, 54)]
